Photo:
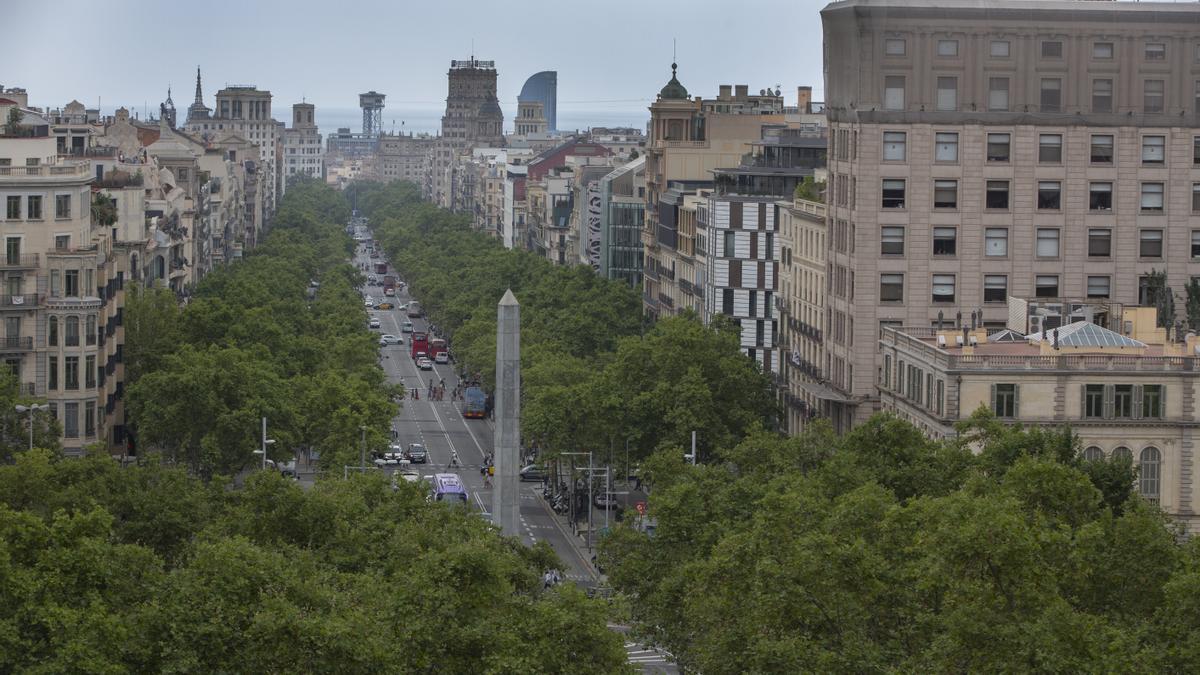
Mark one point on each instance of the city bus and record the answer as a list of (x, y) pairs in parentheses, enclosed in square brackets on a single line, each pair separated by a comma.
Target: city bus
[(447, 487), (474, 403), (420, 344), (436, 346)]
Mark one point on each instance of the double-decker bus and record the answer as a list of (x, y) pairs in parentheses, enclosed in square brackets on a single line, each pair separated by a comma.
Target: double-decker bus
[(420, 344)]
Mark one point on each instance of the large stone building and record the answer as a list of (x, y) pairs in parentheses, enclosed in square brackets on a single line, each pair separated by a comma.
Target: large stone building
[(303, 152), (981, 149), (1127, 394), (801, 311), (473, 118), (402, 157)]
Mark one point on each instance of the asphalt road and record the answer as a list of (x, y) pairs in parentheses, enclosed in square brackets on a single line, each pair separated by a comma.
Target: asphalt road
[(441, 428)]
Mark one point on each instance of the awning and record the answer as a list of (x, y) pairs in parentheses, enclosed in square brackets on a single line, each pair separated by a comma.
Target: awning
[(823, 392)]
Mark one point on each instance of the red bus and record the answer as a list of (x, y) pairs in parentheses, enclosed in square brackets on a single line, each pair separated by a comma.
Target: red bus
[(420, 343), (436, 346)]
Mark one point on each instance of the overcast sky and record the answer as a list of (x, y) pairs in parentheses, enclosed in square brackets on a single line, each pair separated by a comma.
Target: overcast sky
[(609, 54)]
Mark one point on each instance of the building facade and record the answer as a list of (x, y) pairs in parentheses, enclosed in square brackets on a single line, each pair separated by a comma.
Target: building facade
[(303, 151), (473, 118), (977, 153), (622, 212), (245, 110), (541, 88)]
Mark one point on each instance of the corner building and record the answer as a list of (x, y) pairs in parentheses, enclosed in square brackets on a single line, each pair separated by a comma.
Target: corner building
[(1005, 147)]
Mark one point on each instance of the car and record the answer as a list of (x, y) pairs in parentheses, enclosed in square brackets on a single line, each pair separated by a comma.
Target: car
[(441, 357), (391, 340), (416, 453), (407, 327), (369, 301), (373, 323), (384, 305), (606, 500), (533, 472), (424, 364), (372, 280)]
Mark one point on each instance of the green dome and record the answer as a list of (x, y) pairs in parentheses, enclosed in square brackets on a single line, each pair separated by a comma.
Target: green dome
[(673, 89)]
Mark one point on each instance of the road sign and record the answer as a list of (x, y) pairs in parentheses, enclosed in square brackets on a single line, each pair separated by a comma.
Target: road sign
[(641, 508)]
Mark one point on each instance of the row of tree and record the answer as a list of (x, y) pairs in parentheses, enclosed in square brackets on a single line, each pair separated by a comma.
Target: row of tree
[(149, 569), (595, 375), (257, 340)]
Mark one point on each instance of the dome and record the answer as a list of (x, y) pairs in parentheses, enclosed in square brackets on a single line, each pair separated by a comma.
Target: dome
[(673, 90)]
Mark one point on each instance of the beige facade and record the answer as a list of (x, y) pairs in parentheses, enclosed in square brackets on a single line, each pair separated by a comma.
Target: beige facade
[(303, 151), (245, 110), (402, 157), (976, 152), (1126, 395)]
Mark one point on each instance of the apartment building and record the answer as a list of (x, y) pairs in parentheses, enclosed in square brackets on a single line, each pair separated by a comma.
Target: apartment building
[(402, 157), (1128, 395), (1004, 147), (688, 139), (303, 151), (622, 212), (245, 110)]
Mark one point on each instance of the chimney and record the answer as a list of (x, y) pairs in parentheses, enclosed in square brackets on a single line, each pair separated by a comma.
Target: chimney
[(804, 99), (741, 92), (723, 92)]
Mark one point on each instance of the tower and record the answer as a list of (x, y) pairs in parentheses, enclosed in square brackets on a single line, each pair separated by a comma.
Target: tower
[(372, 107), (197, 110), (166, 110)]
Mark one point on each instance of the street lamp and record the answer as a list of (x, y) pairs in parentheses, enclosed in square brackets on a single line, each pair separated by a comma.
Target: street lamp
[(32, 408), (362, 458), (265, 442)]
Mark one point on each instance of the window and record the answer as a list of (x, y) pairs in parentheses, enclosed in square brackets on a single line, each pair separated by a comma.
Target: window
[(52, 331), (1152, 197), (1047, 242), (1098, 286), (71, 279), (1049, 195), (1152, 401), (1123, 400), (62, 206), (893, 47), (1046, 286), (893, 92), (1093, 401), (1102, 95), (71, 334), (947, 93), (1100, 242), (55, 284), (1102, 50), (727, 301), (1152, 96), (945, 241), (891, 287), (1004, 400), (13, 208), (894, 143), (52, 373), (1102, 149), (1100, 196), (1093, 454), (1000, 49), (71, 372), (33, 208), (947, 48), (998, 147), (1122, 454), (1051, 98), (996, 241), (998, 93), (946, 149), (943, 288), (893, 194), (89, 371), (1153, 149), (892, 241), (1156, 51), (71, 420), (730, 244), (1196, 150), (1148, 473), (997, 194), (1052, 49), (995, 288), (945, 194), (89, 426), (62, 242), (1150, 243), (1050, 148), (90, 334)]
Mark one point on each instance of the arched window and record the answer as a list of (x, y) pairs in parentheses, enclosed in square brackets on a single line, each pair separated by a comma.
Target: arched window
[(71, 332), (1148, 473), (52, 332), (1093, 454), (1123, 453), (160, 267)]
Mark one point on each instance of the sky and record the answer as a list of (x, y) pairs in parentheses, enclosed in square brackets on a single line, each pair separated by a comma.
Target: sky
[(611, 56)]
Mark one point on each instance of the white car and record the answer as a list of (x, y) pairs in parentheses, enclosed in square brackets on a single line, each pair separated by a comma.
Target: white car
[(373, 323), (424, 364), (441, 357), (391, 340), (407, 327), (369, 301)]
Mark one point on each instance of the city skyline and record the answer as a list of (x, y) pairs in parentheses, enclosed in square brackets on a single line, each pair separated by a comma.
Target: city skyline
[(275, 53)]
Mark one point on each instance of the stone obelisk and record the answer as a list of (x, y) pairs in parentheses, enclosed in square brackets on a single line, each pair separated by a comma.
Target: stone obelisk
[(507, 415)]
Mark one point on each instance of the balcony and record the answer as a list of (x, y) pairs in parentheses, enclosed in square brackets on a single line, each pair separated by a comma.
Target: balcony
[(18, 262), (25, 301), (15, 344), (57, 171)]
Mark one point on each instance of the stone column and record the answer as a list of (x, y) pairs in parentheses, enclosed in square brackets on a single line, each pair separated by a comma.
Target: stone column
[(507, 414)]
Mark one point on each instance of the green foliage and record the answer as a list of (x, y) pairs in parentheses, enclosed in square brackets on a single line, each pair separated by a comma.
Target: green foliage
[(810, 190), (884, 551), (1162, 297), (13, 125), (14, 426), (1192, 303), (147, 569), (251, 343)]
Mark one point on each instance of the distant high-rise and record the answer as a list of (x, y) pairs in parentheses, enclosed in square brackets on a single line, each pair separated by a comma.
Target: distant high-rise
[(542, 88), (372, 107), (473, 119)]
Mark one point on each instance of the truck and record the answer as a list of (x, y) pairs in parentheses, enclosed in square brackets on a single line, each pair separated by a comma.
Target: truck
[(420, 344), (414, 310), (474, 403), (389, 285), (380, 268)]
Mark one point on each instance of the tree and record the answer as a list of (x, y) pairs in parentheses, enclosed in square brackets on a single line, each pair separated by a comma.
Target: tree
[(13, 125), (1160, 294), (1192, 304)]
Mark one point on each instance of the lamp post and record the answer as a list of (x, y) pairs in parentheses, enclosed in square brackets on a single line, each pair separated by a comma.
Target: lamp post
[(32, 408), (265, 442), (362, 458)]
